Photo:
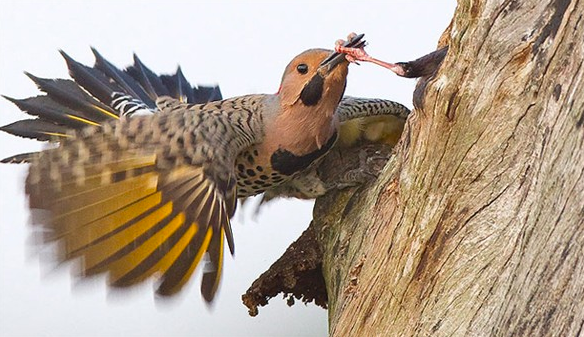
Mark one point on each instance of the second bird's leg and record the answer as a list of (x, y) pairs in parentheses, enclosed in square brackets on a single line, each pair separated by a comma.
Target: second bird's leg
[(359, 54), (420, 67)]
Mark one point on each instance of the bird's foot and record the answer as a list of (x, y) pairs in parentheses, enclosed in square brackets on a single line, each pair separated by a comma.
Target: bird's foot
[(354, 55)]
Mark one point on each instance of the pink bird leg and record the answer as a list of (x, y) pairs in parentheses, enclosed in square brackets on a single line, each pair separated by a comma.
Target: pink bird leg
[(423, 66), (359, 54)]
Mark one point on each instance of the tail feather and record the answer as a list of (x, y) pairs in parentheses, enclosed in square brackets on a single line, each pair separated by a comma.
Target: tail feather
[(19, 158), (207, 94), (53, 112), (151, 82), (179, 86), (91, 79), (97, 95), (125, 81), (117, 209), (69, 94), (36, 129)]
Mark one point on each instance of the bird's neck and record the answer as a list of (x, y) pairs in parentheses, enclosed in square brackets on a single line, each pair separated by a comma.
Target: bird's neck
[(303, 130)]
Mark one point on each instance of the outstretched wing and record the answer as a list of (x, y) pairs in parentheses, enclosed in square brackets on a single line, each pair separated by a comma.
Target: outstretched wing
[(147, 195), (97, 95)]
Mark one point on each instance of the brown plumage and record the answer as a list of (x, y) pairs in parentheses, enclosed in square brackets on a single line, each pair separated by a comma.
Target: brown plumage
[(362, 121), (149, 195), (140, 196)]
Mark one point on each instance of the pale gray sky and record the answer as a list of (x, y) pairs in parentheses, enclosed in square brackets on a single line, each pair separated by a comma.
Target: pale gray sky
[(243, 46)]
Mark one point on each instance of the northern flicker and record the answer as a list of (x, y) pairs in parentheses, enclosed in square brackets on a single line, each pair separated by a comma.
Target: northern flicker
[(363, 121), (137, 195)]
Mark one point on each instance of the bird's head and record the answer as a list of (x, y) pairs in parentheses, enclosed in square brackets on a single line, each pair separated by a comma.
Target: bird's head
[(316, 77)]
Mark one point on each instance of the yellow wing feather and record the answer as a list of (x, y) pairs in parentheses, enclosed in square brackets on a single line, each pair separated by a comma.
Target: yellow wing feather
[(125, 216)]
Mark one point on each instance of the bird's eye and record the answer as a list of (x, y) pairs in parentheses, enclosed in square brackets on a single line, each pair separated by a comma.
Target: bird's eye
[(302, 68)]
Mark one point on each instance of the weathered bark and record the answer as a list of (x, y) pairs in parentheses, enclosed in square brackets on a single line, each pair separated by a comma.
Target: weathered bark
[(477, 225), (298, 273)]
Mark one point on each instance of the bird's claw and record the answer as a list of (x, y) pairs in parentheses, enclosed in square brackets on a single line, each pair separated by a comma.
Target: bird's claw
[(353, 48), (355, 51), (353, 41), (353, 54)]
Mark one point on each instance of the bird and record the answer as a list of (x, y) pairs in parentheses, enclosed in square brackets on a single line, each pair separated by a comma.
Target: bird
[(363, 121), (382, 124), (148, 170)]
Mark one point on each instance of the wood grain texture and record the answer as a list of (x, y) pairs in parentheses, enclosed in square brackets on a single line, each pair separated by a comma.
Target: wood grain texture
[(476, 226)]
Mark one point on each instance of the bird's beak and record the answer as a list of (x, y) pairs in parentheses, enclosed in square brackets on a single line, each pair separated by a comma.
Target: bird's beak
[(331, 62), (336, 58)]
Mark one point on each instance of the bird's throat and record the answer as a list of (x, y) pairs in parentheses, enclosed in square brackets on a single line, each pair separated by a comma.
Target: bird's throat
[(304, 130)]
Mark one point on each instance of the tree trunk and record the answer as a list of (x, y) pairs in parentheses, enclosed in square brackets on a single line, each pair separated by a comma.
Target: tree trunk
[(476, 225)]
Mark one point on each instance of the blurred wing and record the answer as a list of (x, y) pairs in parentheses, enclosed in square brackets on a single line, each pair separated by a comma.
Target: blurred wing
[(131, 210), (98, 95)]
